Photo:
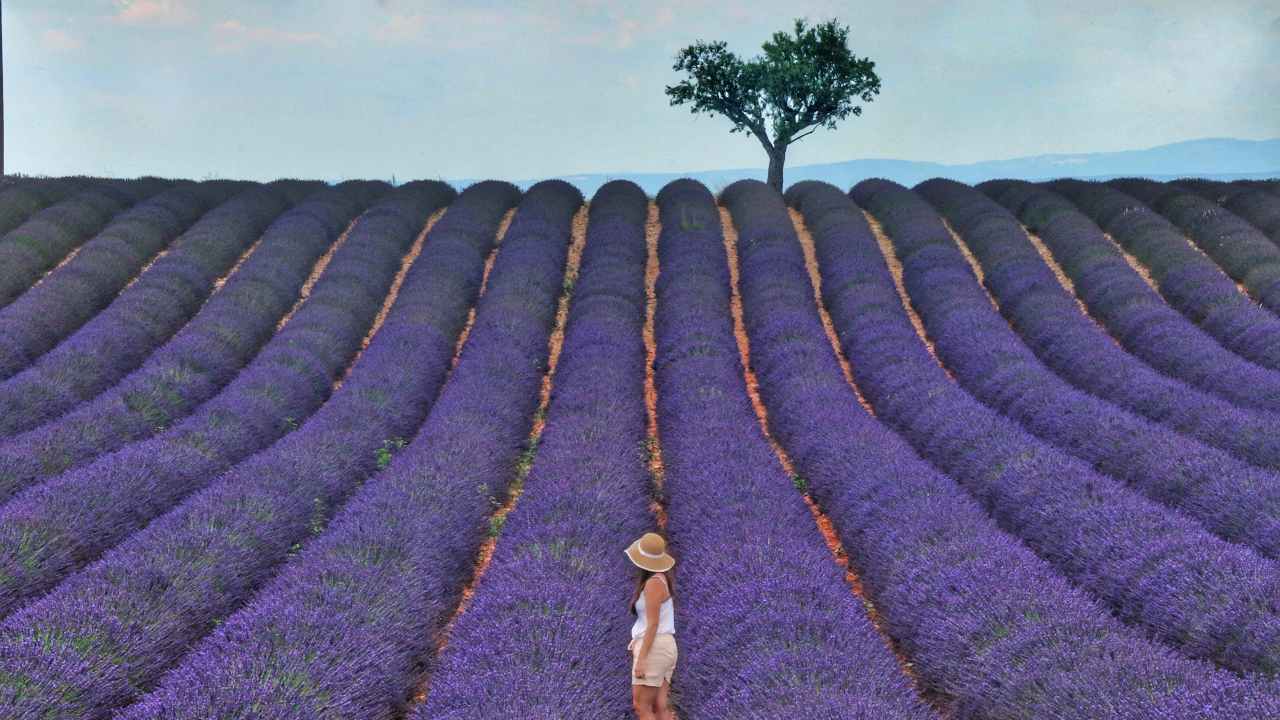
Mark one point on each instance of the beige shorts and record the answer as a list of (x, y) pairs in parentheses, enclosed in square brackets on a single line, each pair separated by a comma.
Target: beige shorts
[(659, 663)]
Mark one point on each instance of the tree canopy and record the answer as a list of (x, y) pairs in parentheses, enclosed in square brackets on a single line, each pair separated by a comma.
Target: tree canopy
[(803, 81)]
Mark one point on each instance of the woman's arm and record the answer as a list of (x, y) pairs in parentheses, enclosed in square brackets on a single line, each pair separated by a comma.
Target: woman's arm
[(654, 595)]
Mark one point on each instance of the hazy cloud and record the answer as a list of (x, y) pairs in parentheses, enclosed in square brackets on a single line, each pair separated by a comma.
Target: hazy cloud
[(230, 35), (60, 41), (617, 27), (137, 12), (579, 82), (400, 28), (441, 27), (452, 24)]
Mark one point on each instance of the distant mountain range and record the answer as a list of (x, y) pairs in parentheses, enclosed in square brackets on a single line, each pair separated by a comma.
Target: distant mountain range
[(1218, 158)]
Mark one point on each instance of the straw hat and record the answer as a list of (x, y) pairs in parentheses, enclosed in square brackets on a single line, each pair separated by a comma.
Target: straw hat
[(650, 553)]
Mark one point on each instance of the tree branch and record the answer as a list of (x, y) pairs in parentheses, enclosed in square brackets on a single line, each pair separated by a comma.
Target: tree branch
[(802, 135), (805, 80)]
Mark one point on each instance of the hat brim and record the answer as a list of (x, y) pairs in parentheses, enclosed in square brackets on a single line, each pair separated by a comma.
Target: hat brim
[(662, 563)]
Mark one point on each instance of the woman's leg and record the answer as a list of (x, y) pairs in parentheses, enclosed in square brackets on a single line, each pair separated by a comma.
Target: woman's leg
[(661, 706), (643, 698)]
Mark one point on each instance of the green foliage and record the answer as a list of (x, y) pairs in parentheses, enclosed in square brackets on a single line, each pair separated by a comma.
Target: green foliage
[(495, 525), (319, 514), (384, 454), (525, 462), (691, 218), (802, 82)]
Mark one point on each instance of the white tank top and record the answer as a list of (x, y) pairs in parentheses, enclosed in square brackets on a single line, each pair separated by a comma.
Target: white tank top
[(666, 616)]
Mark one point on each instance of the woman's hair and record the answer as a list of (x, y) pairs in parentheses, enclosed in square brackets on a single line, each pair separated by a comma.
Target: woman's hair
[(644, 578)]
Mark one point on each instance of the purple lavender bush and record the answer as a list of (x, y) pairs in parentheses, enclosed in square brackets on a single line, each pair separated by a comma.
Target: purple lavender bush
[(343, 630), (55, 527), (1260, 208), (197, 362), (145, 315), (1234, 499), (546, 630), (1239, 248), (1272, 186), (72, 294), (19, 201), (38, 244), (1189, 281), (1155, 568), (991, 630), (1136, 316), (148, 600), (1215, 190), (765, 623)]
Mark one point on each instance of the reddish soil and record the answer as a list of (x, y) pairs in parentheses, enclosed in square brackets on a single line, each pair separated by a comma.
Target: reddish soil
[(316, 271), (145, 267), (823, 522), (1135, 263), (1052, 262), (485, 554), (217, 284), (895, 269), (815, 279), (1063, 280), (405, 263), (652, 229), (1143, 271), (1192, 244), (744, 346), (70, 256), (974, 265), (484, 283)]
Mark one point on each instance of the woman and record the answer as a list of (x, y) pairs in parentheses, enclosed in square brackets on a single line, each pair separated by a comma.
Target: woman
[(653, 636)]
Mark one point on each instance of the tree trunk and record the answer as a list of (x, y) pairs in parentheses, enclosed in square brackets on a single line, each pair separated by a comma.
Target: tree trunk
[(1, 93), (777, 158)]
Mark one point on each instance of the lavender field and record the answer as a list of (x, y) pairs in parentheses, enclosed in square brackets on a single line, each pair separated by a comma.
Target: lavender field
[(294, 450)]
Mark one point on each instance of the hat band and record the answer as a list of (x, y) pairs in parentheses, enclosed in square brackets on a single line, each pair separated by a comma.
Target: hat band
[(647, 554)]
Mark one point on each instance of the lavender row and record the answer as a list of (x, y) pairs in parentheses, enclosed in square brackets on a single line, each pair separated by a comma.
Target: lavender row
[(1215, 190), (1235, 500), (1156, 569), (1136, 316), (19, 201), (341, 632), (767, 626), (1251, 202), (1240, 249), (38, 244), (148, 600), (1272, 185), (545, 633), (53, 528), (208, 352), (73, 293), (1188, 280), (988, 626), (1260, 208), (145, 315)]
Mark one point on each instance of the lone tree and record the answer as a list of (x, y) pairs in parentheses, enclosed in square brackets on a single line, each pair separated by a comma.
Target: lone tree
[(802, 82)]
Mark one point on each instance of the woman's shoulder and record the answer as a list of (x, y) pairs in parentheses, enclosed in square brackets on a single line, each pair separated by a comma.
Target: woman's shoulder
[(657, 585)]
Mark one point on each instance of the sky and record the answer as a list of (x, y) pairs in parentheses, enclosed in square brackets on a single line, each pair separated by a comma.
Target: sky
[(451, 89)]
